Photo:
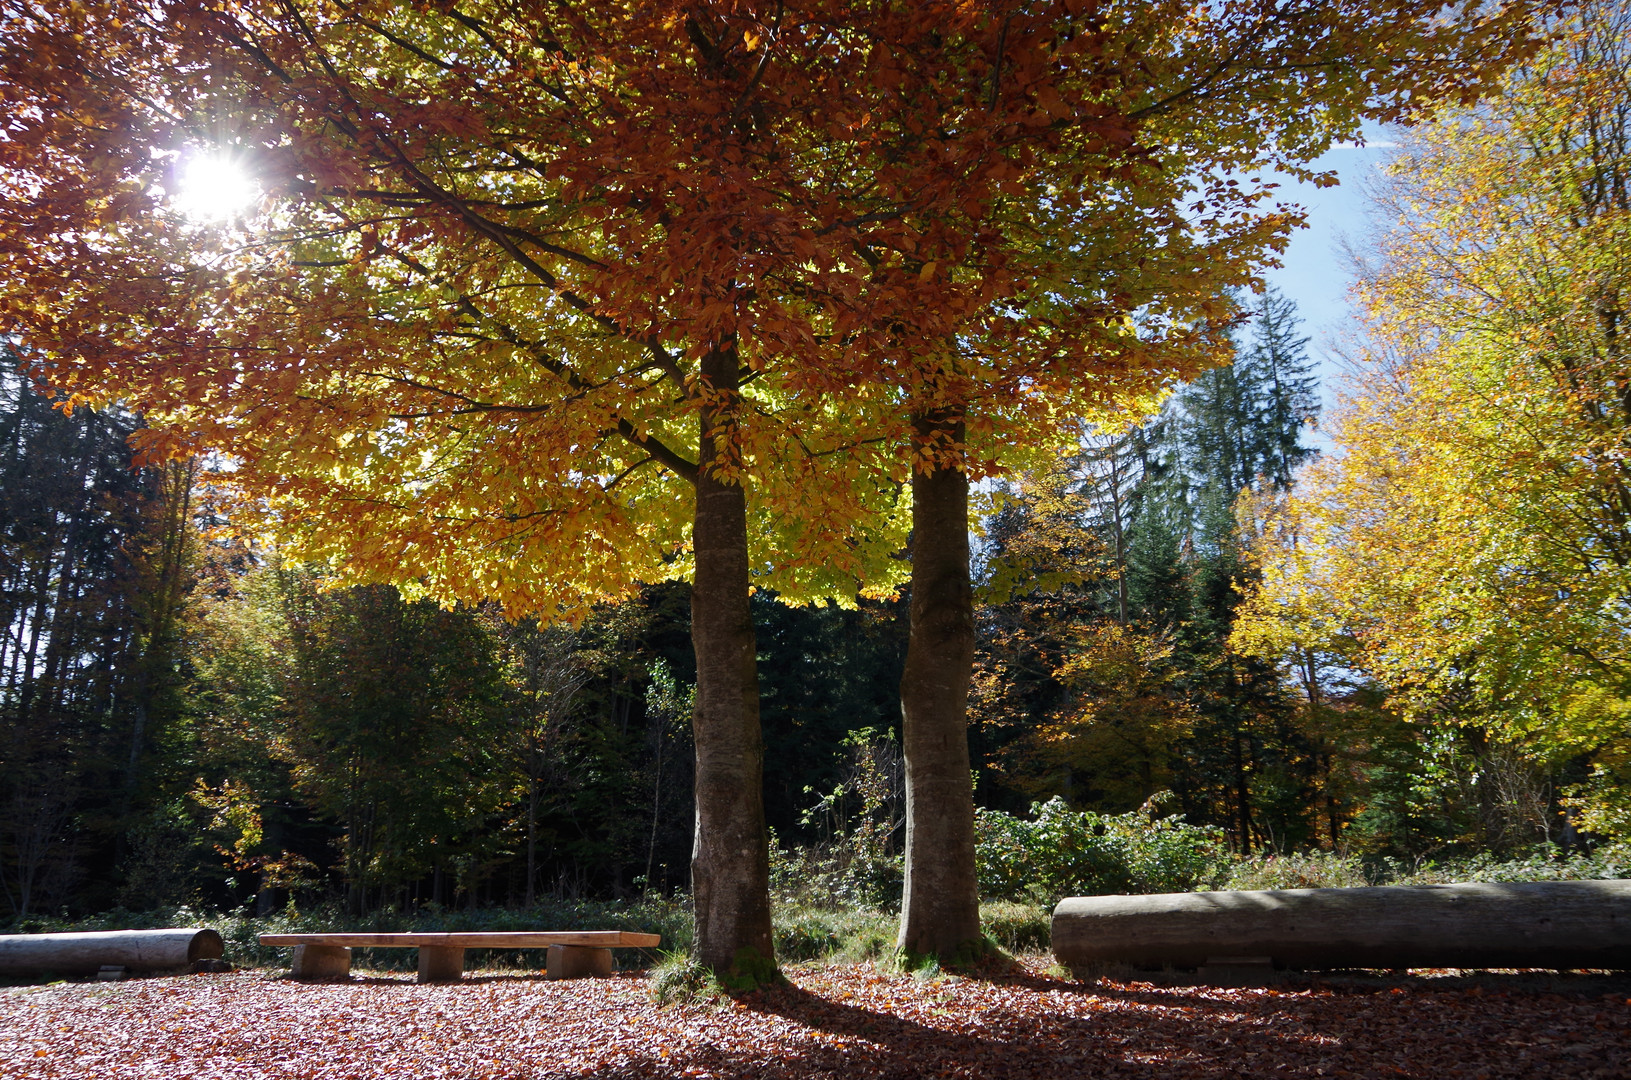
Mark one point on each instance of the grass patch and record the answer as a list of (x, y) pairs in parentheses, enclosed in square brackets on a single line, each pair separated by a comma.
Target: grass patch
[(922, 968), (1310, 870), (858, 936), (677, 979), (806, 933), (1017, 928), (1328, 870)]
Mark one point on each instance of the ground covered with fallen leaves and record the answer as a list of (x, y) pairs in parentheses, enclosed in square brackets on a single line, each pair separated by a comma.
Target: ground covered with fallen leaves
[(839, 1021)]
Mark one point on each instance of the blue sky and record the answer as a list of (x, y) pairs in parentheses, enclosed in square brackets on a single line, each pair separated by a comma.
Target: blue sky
[(1316, 274)]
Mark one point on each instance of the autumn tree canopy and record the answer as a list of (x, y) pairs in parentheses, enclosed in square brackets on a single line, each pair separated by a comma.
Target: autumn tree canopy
[(538, 304), (518, 290), (1180, 216)]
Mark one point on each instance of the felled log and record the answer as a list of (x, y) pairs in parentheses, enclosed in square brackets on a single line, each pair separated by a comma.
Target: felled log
[(1544, 924), (88, 953)]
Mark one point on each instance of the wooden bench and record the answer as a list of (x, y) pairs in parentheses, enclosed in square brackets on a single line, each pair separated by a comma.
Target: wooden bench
[(572, 954)]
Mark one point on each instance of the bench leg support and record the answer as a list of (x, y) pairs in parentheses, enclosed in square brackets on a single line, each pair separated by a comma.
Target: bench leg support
[(578, 961), (321, 962), (437, 964)]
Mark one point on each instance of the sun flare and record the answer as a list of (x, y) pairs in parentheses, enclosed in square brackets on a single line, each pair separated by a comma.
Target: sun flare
[(214, 189)]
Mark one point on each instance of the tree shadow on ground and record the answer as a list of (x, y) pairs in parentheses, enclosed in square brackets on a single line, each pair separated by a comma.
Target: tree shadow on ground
[(1070, 1030)]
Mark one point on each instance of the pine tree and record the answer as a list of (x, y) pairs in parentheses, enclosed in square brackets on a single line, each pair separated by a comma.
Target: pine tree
[(1277, 368), (1243, 425)]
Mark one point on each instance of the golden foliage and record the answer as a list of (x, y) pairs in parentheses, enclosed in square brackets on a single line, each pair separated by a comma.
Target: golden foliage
[(458, 345), (1477, 526)]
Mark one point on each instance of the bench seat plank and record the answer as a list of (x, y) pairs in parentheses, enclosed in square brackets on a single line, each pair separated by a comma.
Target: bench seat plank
[(513, 939)]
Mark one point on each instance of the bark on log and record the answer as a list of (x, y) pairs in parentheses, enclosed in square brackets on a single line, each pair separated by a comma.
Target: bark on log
[(1546, 924), (87, 953)]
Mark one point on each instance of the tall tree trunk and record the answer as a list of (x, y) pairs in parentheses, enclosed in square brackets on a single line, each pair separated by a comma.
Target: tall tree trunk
[(656, 813), (730, 863), (1116, 518), (1243, 799), (532, 833), (1309, 669), (940, 911)]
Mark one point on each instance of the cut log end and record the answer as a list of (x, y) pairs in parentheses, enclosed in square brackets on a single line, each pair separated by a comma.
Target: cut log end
[(205, 945)]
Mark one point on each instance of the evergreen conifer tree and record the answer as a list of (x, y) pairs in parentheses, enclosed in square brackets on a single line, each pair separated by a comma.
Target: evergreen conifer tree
[(1277, 368)]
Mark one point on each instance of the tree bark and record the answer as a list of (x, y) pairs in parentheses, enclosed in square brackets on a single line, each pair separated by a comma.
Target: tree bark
[(940, 911), (1243, 799), (1550, 924), (730, 862), (138, 950)]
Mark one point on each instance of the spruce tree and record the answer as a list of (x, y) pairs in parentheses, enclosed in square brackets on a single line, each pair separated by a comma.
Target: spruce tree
[(1236, 427), (1286, 392)]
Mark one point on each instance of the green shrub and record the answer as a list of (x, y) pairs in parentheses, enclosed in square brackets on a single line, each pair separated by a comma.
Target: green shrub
[(1065, 852), (1611, 861), (1313, 870), (858, 864)]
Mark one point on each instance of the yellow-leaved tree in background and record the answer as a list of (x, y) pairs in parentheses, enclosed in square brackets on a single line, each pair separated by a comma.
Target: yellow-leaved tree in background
[(1474, 536)]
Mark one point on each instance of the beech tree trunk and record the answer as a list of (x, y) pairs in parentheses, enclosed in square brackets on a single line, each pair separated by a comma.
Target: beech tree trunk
[(940, 911), (730, 862)]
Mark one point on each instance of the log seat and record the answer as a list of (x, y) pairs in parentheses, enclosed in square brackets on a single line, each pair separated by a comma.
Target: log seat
[(573, 954), (87, 952), (1534, 924)]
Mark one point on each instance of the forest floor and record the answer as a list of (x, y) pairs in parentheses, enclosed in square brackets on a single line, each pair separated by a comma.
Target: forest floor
[(829, 1021)]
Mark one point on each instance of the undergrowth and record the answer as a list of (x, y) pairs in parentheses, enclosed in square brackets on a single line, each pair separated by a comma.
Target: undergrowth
[(1330, 870), (811, 927), (677, 979), (803, 934)]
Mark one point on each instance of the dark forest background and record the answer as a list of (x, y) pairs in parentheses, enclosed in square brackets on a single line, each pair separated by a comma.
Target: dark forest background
[(185, 718)]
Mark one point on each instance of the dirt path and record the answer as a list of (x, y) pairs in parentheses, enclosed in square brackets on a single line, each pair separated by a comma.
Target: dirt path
[(831, 1022)]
